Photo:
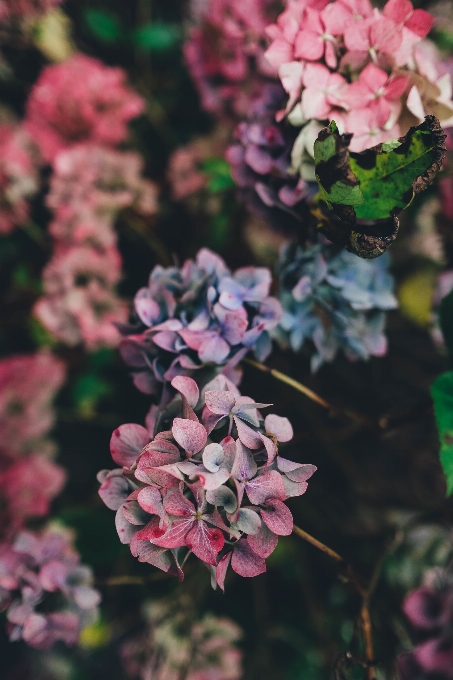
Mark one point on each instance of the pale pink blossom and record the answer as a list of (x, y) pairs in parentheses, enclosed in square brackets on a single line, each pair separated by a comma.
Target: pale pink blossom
[(79, 302), (80, 100), (375, 89), (369, 128), (323, 91), (18, 177)]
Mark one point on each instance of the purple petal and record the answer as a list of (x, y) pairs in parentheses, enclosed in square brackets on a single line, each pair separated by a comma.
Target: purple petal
[(234, 325), (124, 528), (222, 569), (127, 442), (279, 427), (146, 307), (248, 437), (244, 466), (114, 490), (214, 349), (213, 456), (245, 562), (190, 435), (264, 542), (278, 517), (268, 485), (297, 472)]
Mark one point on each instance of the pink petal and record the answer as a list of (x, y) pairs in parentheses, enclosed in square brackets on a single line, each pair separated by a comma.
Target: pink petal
[(189, 434), (396, 87), (264, 542), (214, 350), (151, 531), (278, 517), (124, 528), (222, 569), (268, 485), (420, 22), (175, 536), (150, 500), (280, 52), (278, 426), (248, 437), (114, 490), (309, 45), (270, 447), (147, 552), (127, 442), (316, 76), (175, 503), (245, 562), (244, 466), (298, 472), (220, 402), (398, 10), (188, 388), (373, 77), (205, 543)]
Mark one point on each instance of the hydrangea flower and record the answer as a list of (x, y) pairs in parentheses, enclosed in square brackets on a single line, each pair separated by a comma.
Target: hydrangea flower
[(198, 319), (25, 8), (89, 186), (79, 302), (334, 299), (261, 162), (80, 100), (366, 69), (18, 176), (33, 570), (205, 476), (224, 52), (429, 610), (173, 643), (28, 385)]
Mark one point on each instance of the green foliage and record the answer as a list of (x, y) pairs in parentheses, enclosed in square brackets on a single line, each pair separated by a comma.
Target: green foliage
[(219, 172), (442, 394), (104, 25), (380, 182), (157, 37), (446, 322)]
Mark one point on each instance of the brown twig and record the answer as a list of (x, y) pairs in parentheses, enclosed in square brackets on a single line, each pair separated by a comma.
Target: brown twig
[(282, 377), (365, 594)]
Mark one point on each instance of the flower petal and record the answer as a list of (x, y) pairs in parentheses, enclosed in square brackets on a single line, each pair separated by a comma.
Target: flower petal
[(278, 517), (127, 442), (189, 434), (245, 562)]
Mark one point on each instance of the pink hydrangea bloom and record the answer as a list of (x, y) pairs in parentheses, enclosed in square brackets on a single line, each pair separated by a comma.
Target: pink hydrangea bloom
[(25, 8), (173, 642), (183, 172), (214, 484), (225, 53), (28, 384), (79, 302), (33, 568), (365, 68), (18, 177), (80, 100), (89, 186)]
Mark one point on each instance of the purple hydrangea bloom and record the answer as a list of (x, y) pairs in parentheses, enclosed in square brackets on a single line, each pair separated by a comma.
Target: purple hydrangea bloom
[(261, 164), (334, 299), (430, 611), (35, 566), (206, 477), (199, 320)]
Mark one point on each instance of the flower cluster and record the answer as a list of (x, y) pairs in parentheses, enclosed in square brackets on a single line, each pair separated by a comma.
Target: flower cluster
[(261, 161), (76, 126), (80, 100), (18, 176), (430, 611), (47, 593), (173, 643), (364, 68), (205, 476), (29, 479), (224, 52), (198, 320), (10, 9), (334, 299)]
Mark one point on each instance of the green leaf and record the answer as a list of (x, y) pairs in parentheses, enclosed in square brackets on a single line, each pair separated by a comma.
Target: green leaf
[(446, 322), (104, 25), (88, 390), (157, 37), (219, 172), (442, 394)]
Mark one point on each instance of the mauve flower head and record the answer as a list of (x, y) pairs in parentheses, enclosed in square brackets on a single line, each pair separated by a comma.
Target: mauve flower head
[(429, 610), (18, 176), (224, 52), (79, 302), (205, 476), (335, 300), (10, 9), (367, 69), (28, 385), (80, 100), (33, 570), (90, 184), (173, 642), (261, 162), (198, 320)]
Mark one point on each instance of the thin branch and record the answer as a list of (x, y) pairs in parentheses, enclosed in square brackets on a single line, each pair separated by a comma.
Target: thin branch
[(282, 377)]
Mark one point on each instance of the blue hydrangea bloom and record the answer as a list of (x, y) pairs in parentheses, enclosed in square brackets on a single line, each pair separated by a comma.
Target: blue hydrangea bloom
[(334, 299)]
